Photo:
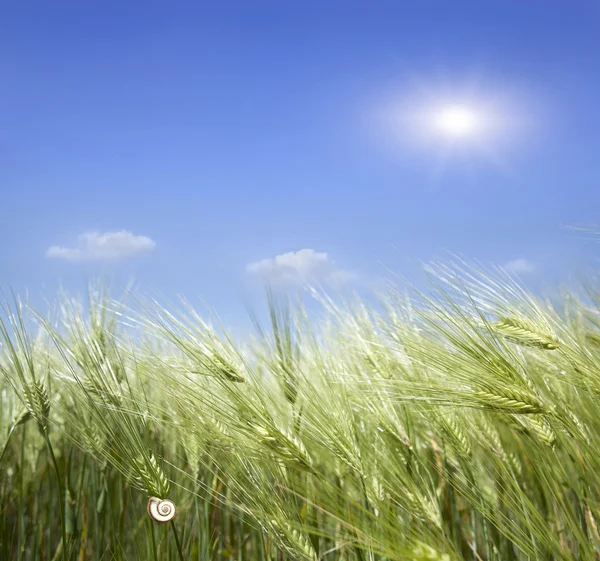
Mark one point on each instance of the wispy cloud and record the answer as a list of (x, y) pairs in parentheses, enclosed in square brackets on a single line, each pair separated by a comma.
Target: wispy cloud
[(297, 267), (109, 246), (520, 266)]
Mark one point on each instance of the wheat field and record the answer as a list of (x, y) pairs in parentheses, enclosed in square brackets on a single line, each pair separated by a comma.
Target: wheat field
[(456, 422)]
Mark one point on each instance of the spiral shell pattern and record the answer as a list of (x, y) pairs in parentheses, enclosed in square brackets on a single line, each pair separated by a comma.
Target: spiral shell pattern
[(161, 510)]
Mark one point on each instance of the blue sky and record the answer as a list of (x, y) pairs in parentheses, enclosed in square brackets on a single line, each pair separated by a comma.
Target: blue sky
[(219, 135)]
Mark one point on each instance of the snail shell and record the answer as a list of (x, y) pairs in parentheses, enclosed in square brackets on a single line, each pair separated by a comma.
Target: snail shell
[(161, 510)]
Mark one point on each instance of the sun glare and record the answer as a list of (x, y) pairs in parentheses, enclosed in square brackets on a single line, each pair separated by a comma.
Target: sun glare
[(466, 125), (457, 121)]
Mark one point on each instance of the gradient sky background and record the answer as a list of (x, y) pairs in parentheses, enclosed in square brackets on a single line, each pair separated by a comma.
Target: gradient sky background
[(232, 132)]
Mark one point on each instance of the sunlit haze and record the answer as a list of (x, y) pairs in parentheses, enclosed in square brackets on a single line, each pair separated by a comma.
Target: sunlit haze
[(457, 121)]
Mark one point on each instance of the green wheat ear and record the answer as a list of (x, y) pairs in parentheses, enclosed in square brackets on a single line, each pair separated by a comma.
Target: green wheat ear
[(593, 339), (294, 541), (527, 333), (150, 477), (38, 404), (424, 551), (511, 401), (458, 438), (105, 394), (22, 418), (541, 429)]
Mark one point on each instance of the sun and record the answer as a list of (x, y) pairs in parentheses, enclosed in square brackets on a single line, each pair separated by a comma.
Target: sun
[(457, 121), (467, 124)]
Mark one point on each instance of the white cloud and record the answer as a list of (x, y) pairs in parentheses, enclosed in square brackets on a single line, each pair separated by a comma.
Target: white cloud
[(520, 266), (301, 266), (110, 246)]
